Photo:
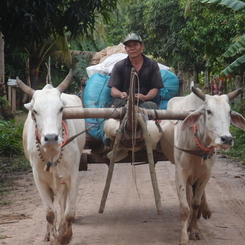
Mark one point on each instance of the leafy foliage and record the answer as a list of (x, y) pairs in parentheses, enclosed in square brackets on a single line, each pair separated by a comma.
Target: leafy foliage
[(10, 139), (194, 39), (234, 4), (238, 47), (12, 157), (39, 28), (237, 151)]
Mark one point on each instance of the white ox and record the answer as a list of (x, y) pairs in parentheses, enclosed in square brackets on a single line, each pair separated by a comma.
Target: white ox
[(55, 166), (192, 151)]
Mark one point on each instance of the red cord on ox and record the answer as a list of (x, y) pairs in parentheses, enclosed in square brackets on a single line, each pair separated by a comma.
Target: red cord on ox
[(66, 133), (198, 142)]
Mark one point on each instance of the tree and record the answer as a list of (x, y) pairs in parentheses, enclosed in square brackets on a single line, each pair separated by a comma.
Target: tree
[(237, 48), (29, 25), (2, 90), (192, 35)]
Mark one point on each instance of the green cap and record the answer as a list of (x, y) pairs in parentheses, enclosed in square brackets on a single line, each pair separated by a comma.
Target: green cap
[(132, 37)]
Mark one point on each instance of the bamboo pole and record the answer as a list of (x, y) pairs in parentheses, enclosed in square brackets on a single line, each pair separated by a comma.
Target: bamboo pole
[(119, 113)]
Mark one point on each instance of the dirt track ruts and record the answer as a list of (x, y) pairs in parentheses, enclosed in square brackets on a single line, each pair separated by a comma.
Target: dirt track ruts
[(130, 216)]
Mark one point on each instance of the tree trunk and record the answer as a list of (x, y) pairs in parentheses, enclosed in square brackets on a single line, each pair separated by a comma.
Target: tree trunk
[(34, 78), (195, 74), (5, 110), (180, 75), (2, 69), (25, 97), (238, 84), (207, 80)]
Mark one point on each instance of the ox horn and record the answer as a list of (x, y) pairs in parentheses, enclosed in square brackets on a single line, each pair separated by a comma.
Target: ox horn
[(66, 82), (197, 92), (26, 89), (234, 94)]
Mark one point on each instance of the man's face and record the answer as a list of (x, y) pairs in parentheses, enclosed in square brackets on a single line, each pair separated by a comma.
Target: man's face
[(134, 48)]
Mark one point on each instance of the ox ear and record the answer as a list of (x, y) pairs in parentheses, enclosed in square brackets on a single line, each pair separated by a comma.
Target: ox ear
[(29, 105), (237, 120), (192, 119)]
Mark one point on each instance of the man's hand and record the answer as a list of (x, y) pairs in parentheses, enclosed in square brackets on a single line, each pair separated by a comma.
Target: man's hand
[(139, 97), (124, 95)]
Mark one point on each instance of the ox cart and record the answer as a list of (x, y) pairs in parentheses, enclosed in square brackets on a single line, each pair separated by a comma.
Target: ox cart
[(96, 97), (50, 160), (132, 134)]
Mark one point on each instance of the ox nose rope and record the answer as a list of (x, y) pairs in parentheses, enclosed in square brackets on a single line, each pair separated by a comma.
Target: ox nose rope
[(199, 143), (48, 165), (203, 152)]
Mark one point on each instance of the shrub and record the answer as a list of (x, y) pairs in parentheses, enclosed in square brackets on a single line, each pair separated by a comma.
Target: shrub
[(237, 151), (10, 139)]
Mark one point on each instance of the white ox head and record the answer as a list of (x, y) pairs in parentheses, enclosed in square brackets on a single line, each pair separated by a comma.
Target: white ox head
[(46, 108), (217, 116)]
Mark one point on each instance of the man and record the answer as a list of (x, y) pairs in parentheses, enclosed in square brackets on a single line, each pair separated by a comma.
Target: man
[(148, 72)]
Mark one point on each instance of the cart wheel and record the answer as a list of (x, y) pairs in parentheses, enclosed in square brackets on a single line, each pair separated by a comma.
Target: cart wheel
[(83, 162)]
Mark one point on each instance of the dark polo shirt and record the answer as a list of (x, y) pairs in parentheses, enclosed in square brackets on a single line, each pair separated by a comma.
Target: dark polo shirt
[(149, 76)]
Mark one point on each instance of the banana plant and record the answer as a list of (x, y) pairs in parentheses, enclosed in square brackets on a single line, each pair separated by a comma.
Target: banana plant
[(238, 47)]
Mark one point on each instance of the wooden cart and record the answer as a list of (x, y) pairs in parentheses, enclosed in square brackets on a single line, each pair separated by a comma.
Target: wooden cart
[(132, 120)]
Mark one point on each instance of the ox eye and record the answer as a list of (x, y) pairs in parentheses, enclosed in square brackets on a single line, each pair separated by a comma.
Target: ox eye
[(209, 112), (61, 109), (35, 112)]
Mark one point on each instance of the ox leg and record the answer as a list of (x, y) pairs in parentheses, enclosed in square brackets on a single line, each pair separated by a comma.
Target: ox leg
[(67, 203), (204, 209), (47, 197), (182, 189), (198, 190)]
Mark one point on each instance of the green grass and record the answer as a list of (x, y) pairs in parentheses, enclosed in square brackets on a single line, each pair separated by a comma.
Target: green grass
[(12, 157)]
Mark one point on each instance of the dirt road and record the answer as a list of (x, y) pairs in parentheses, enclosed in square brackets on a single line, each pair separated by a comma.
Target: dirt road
[(130, 216)]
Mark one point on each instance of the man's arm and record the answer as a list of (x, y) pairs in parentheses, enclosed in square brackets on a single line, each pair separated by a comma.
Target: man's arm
[(149, 96), (116, 93)]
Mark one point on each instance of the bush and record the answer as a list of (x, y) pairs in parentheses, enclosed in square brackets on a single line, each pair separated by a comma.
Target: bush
[(10, 138), (237, 151), (12, 157)]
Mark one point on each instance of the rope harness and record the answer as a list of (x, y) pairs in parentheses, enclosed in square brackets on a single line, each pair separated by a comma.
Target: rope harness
[(202, 151)]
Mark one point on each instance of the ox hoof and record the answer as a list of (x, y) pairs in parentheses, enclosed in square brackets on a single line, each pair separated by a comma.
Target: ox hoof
[(54, 242), (183, 242), (196, 236), (204, 212)]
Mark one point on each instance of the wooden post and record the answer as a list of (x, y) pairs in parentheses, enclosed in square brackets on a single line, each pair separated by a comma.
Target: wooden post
[(151, 164), (13, 99), (9, 95), (111, 168), (12, 93)]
